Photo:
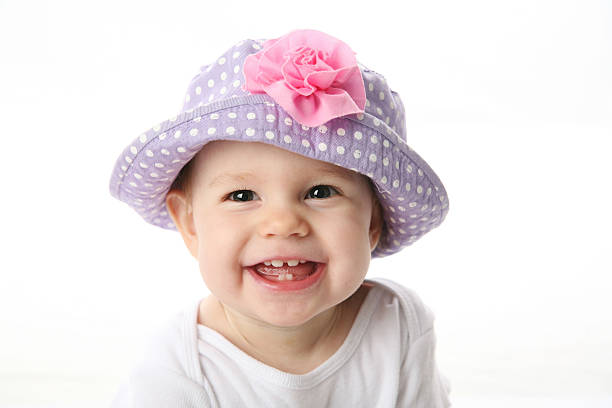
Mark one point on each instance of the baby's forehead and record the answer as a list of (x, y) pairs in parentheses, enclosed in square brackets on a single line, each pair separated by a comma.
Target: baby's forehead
[(306, 174), (222, 157)]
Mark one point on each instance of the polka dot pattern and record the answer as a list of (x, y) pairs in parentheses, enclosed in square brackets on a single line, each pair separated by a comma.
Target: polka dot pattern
[(217, 108)]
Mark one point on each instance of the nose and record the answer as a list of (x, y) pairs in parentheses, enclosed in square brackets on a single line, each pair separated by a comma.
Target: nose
[(283, 221)]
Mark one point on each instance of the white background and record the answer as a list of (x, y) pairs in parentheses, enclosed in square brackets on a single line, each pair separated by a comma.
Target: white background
[(509, 101)]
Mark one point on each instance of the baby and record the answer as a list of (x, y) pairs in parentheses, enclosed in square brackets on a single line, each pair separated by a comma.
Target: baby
[(286, 171)]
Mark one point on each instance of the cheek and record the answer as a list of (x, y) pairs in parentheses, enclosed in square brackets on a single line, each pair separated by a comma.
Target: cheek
[(219, 245), (347, 234), (216, 231), (355, 219)]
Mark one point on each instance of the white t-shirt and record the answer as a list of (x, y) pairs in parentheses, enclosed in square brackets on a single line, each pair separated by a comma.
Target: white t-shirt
[(387, 360)]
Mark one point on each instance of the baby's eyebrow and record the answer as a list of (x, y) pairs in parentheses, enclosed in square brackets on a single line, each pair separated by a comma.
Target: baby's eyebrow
[(331, 171), (243, 176), (231, 177)]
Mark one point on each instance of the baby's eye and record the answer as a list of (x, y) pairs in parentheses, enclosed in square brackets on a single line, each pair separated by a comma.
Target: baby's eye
[(321, 191), (241, 195)]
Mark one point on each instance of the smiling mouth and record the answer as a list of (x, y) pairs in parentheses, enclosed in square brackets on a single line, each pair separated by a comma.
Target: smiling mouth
[(285, 272)]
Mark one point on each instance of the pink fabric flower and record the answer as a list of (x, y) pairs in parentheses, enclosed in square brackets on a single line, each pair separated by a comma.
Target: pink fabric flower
[(312, 75)]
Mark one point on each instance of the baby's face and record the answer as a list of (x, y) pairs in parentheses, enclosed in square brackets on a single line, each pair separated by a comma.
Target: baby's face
[(254, 203)]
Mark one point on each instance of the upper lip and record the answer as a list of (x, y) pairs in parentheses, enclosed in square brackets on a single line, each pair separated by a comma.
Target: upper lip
[(284, 258)]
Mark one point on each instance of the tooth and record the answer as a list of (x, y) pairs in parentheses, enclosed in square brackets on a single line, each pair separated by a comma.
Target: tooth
[(293, 262), (281, 276), (289, 276), (277, 264), (302, 261), (267, 263)]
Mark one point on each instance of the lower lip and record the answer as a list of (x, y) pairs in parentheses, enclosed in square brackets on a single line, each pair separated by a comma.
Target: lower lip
[(287, 285)]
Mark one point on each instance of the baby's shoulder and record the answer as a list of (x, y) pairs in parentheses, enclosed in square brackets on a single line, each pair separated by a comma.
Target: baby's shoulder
[(165, 348), (168, 369), (398, 299)]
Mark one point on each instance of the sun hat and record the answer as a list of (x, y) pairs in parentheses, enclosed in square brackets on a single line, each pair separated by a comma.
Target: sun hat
[(304, 92)]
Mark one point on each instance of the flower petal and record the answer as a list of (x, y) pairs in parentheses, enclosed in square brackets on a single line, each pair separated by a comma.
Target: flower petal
[(249, 70), (315, 109), (322, 106), (321, 79), (295, 80)]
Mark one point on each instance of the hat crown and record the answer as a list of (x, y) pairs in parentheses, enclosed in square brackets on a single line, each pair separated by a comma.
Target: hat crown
[(224, 79)]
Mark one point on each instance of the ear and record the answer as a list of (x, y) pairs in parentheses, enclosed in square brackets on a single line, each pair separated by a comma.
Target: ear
[(376, 223), (181, 212)]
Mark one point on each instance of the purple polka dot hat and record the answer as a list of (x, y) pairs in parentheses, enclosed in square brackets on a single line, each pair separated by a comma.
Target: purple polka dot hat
[(304, 92)]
